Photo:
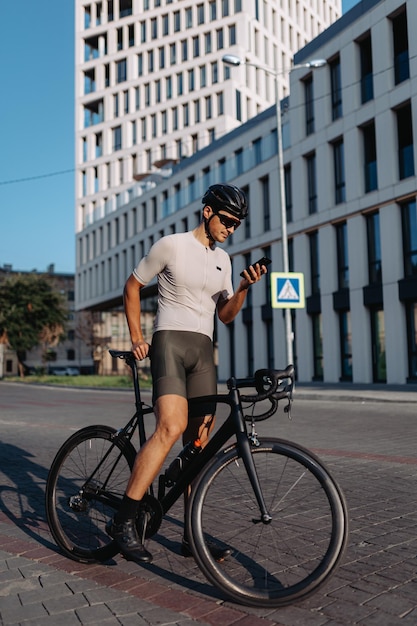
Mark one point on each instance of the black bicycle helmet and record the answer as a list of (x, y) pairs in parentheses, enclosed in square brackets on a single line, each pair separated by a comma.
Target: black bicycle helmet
[(227, 198)]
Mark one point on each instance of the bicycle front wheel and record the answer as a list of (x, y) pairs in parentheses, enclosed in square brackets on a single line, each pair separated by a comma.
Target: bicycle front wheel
[(277, 563), (85, 486)]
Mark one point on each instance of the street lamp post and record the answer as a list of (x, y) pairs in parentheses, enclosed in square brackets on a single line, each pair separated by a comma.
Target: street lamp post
[(231, 59)]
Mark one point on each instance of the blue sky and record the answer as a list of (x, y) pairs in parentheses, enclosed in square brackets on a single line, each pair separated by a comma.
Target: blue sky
[(37, 134)]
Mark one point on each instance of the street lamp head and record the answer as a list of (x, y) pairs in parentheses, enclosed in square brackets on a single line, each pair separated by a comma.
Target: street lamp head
[(317, 63), (231, 59)]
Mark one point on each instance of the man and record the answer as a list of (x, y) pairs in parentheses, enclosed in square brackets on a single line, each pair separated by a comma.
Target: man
[(194, 280)]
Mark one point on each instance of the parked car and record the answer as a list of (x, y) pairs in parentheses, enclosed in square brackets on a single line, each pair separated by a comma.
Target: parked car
[(65, 371)]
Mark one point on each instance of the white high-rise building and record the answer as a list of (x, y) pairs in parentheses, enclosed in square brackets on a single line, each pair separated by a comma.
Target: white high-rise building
[(151, 87)]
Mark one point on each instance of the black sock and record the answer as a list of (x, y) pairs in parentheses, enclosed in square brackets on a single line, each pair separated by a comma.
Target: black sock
[(128, 510)]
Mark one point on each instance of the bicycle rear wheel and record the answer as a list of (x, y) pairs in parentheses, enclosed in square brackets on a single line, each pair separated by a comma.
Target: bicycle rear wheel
[(273, 564), (85, 485)]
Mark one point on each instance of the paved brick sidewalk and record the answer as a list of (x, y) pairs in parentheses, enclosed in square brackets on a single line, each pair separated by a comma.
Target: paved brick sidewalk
[(40, 587)]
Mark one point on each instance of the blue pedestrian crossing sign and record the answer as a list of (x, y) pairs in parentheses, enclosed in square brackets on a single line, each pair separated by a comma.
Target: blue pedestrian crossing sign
[(287, 290)]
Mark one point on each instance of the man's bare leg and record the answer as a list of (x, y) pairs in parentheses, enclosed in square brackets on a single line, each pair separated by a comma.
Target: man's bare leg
[(171, 413)]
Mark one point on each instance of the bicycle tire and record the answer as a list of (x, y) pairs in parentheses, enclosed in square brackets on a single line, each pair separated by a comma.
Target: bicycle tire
[(275, 564), (77, 510)]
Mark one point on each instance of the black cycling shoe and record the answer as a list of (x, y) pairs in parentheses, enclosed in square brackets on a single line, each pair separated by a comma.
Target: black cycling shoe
[(127, 539), (219, 554)]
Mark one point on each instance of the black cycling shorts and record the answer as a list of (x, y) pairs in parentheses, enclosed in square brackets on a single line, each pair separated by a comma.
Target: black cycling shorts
[(182, 363)]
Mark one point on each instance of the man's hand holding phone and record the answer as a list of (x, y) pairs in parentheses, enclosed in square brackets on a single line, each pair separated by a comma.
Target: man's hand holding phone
[(264, 261)]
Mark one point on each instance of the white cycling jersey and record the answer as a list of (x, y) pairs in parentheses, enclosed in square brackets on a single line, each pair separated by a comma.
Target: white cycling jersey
[(191, 280)]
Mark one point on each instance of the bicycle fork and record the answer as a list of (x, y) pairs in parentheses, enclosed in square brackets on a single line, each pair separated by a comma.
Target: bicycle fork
[(244, 448)]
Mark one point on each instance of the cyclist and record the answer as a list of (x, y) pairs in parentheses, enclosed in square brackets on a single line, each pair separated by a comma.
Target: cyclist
[(194, 280)]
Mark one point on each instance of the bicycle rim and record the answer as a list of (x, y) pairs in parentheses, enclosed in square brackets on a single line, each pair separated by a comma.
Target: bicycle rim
[(86, 481), (273, 564)]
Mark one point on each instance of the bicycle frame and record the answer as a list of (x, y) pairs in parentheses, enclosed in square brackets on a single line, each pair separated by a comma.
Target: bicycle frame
[(234, 425)]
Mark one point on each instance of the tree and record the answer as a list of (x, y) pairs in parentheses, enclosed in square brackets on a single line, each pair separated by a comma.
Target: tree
[(31, 312)]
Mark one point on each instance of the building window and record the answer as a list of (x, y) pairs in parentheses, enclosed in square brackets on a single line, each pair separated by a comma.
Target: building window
[(214, 73), (369, 150), (200, 14), (191, 81), (184, 50), (110, 10), (367, 79), (172, 53), (220, 42), (374, 249), (116, 105), (165, 25), (309, 105), (161, 58), (168, 87), (213, 10), (288, 192), (188, 17), (150, 61), (157, 91), (316, 321), (339, 171), (154, 28), (232, 35), (99, 145), (342, 256), (345, 345), (117, 138), (180, 85), (311, 183), (203, 76), (266, 206), (140, 64), (186, 114), (220, 103), (121, 71), (87, 17), (401, 56), (409, 229), (405, 142), (177, 22), (89, 81), (336, 88), (120, 38), (411, 314), (131, 35), (314, 262), (239, 161), (196, 46), (209, 110), (143, 32), (93, 113), (71, 354), (238, 105), (125, 8)]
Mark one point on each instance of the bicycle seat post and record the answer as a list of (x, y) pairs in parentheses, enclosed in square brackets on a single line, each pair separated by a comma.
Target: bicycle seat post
[(131, 361)]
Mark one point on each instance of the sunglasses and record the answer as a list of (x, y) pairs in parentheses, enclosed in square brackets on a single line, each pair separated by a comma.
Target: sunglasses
[(228, 222)]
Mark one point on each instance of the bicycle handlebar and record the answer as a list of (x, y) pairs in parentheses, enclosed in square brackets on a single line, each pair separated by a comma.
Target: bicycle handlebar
[(267, 383)]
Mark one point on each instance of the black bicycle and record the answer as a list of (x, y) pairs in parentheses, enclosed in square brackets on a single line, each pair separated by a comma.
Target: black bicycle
[(283, 515)]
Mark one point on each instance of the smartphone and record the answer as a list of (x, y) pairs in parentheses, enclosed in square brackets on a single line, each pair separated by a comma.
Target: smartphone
[(264, 261)]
